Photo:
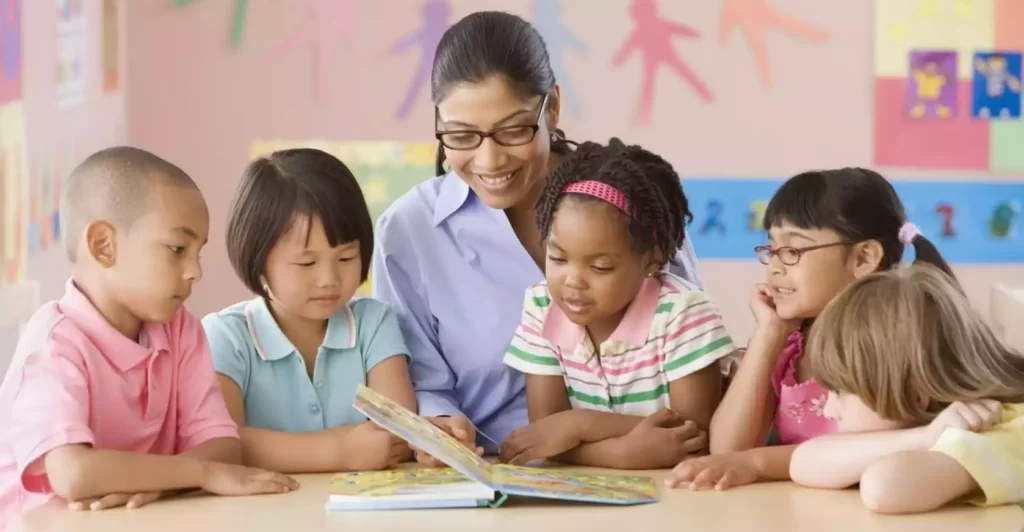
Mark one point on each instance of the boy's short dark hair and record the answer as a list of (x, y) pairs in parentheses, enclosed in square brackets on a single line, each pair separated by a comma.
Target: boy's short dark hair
[(287, 184)]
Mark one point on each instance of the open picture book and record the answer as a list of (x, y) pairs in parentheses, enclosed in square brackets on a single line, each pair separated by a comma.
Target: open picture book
[(471, 481)]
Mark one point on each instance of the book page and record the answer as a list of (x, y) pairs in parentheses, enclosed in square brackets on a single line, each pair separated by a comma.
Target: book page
[(574, 485), (421, 433), (406, 482)]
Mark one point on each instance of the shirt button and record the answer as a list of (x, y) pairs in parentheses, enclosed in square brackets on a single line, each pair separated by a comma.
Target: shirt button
[(314, 409), (319, 384)]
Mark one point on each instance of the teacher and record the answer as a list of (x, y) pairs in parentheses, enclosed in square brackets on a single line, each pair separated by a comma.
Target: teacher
[(456, 254)]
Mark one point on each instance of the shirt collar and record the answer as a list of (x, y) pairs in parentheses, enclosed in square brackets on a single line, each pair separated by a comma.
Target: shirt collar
[(120, 350), (633, 330), (451, 197), (271, 342)]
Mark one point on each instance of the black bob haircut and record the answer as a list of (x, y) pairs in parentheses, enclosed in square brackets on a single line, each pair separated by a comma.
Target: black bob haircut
[(277, 189), (857, 203)]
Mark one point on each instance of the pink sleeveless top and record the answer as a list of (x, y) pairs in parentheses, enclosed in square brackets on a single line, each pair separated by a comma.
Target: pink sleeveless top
[(801, 414)]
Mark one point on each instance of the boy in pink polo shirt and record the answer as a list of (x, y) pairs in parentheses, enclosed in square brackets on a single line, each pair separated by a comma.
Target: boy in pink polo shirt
[(111, 398)]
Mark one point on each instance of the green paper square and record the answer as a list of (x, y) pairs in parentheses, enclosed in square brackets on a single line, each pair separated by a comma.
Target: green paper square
[(1007, 145)]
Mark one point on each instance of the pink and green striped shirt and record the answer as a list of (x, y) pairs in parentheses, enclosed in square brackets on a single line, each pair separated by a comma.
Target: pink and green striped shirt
[(670, 330)]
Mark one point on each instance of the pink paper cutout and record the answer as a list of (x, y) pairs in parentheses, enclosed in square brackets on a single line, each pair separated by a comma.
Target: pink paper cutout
[(652, 35), (753, 17), (436, 19), (329, 22)]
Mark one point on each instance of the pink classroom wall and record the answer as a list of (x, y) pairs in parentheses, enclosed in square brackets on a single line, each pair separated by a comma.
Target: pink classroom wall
[(200, 103), (61, 137)]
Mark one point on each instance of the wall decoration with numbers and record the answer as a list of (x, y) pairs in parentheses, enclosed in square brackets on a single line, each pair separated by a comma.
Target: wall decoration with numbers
[(969, 221)]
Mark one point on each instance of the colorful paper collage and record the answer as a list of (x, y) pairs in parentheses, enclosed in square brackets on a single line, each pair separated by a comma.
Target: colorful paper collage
[(111, 46), (971, 222), (13, 194), (71, 48), (385, 170), (932, 115), (550, 483), (10, 51)]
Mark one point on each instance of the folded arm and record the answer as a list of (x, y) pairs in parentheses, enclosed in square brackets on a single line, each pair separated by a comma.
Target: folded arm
[(839, 460)]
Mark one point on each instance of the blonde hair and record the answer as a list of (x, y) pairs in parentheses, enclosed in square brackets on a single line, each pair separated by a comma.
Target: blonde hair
[(908, 343)]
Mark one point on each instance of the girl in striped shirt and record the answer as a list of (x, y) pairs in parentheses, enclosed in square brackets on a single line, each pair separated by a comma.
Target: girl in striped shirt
[(620, 356)]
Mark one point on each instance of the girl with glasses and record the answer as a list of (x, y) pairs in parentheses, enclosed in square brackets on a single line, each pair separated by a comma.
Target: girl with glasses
[(455, 255), (825, 230)]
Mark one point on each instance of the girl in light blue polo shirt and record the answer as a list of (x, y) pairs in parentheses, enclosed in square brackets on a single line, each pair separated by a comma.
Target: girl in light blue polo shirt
[(289, 361)]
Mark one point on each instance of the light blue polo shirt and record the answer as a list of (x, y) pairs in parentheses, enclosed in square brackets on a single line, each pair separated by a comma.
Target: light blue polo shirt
[(248, 347)]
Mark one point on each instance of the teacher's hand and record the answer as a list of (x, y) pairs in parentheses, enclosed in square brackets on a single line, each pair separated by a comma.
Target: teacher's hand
[(458, 427)]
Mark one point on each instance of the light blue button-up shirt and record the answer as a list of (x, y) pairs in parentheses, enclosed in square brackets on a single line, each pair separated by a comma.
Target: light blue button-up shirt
[(455, 273), (249, 348)]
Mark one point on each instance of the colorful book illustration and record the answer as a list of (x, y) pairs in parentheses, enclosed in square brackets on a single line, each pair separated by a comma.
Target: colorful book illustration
[(471, 481)]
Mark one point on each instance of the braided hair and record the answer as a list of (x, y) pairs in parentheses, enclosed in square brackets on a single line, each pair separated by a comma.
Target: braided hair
[(660, 210)]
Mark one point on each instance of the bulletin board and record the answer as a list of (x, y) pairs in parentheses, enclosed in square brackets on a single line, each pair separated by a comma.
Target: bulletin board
[(970, 222), (948, 84)]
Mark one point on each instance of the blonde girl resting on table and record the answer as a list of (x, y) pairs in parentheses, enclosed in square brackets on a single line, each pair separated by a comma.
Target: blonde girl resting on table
[(825, 230), (939, 418), (289, 361), (620, 356)]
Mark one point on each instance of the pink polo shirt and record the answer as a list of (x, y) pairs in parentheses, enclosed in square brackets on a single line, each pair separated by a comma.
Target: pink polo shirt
[(76, 380)]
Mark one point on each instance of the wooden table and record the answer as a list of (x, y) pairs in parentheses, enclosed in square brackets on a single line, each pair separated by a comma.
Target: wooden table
[(777, 506)]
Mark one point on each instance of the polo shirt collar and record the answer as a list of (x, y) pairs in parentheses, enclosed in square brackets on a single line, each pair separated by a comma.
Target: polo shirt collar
[(125, 353), (451, 197), (271, 342), (633, 330)]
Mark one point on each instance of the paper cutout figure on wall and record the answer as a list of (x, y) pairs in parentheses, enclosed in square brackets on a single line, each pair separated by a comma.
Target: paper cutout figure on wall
[(237, 19), (714, 218), (548, 15), (947, 212), (652, 36), (436, 16), (997, 84), (931, 87), (10, 50), (329, 21), (755, 219), (1003, 218), (753, 17)]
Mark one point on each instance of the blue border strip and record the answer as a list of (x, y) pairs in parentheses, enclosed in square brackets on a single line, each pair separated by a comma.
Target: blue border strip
[(987, 218)]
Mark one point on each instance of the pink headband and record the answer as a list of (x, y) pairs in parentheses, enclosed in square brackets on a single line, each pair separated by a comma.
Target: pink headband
[(602, 191), (908, 232)]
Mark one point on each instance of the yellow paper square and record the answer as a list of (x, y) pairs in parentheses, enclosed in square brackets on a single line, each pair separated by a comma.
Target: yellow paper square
[(903, 25)]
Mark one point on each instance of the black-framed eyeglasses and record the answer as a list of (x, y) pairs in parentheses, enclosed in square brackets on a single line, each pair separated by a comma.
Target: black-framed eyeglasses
[(790, 255), (508, 136)]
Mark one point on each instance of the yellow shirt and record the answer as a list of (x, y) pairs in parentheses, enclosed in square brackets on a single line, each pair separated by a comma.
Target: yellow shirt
[(995, 459), (929, 86)]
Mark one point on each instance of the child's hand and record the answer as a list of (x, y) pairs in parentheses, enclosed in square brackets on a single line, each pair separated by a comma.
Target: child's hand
[(230, 479), (720, 471), (975, 416), (661, 440), (762, 306), (458, 427), (547, 437), (114, 500), (369, 447)]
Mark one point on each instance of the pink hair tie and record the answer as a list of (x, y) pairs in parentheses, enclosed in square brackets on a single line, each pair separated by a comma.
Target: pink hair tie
[(908, 232), (601, 191)]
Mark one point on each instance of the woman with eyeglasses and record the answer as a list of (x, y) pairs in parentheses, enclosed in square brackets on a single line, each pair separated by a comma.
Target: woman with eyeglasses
[(456, 254), (825, 230)]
